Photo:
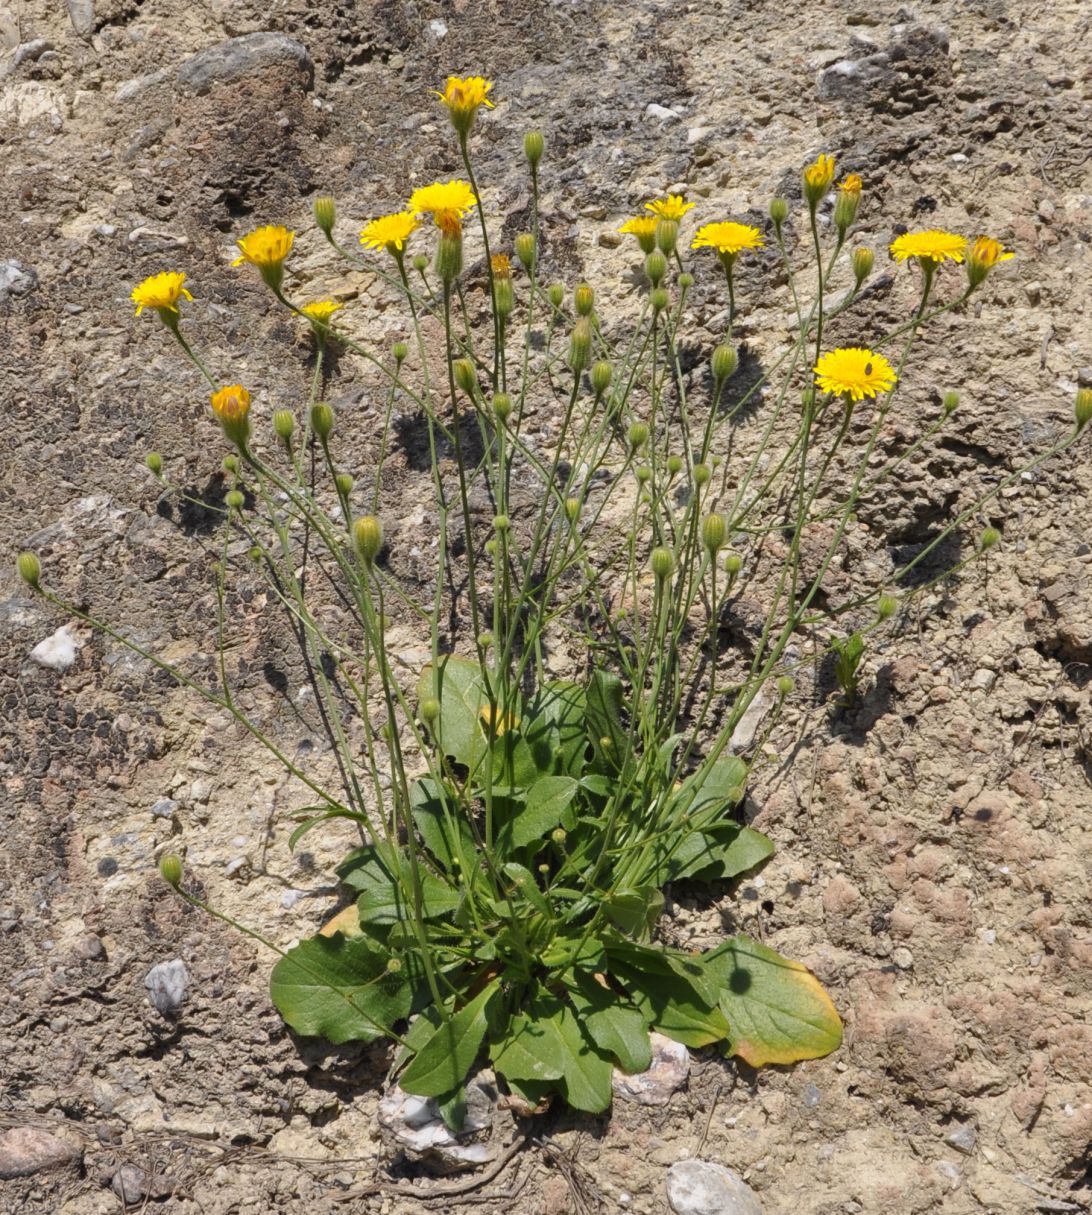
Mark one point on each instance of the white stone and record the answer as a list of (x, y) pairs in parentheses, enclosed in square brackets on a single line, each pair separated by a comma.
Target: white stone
[(662, 112), (666, 1074), (166, 984), (699, 1187), (58, 651), (438, 26)]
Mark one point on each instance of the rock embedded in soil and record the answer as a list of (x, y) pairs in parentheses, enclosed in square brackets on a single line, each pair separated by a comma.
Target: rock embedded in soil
[(26, 1150), (242, 57), (166, 984), (58, 650), (668, 1072), (16, 280), (700, 1187), (133, 1185)]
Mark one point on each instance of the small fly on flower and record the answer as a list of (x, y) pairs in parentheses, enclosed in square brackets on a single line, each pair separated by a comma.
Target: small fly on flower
[(868, 369)]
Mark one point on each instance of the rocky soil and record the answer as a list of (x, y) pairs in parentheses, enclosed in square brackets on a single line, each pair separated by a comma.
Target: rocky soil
[(933, 844)]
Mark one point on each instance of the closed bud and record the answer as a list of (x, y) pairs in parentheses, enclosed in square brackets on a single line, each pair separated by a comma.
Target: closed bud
[(674, 465), (644, 475), (525, 251), (344, 483), (701, 474), (500, 523), (325, 213), (491, 549), (785, 685), (736, 794), (662, 563), (465, 376), (254, 553), (714, 531), (430, 709), (807, 399), (368, 538), (502, 406), (950, 403), (154, 462), (686, 281), (601, 374), (394, 966), (504, 296), (400, 350), (420, 262), (667, 235), (485, 641), (284, 423), (886, 606), (559, 835), (779, 212), (863, 261), (234, 499), (231, 464), (572, 509), (1082, 407), (555, 293), (733, 563), (533, 147), (655, 267), (580, 343), (845, 209), (637, 436), (659, 299), (322, 420), (990, 536), (583, 300), (725, 361), (30, 569), (449, 250), (170, 868)]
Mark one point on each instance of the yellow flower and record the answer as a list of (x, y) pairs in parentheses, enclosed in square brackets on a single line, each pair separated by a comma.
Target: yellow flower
[(818, 177), (643, 227), (851, 184), (231, 405), (463, 95), (389, 232), (321, 310), (983, 255), (502, 267), (854, 372), (727, 238), (161, 291), (266, 248), (932, 246), (443, 197), (673, 207), (501, 722)]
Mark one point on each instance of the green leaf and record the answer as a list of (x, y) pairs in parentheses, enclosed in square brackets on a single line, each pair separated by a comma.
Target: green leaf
[(525, 883), (383, 876), (459, 687), (338, 988), (721, 853), (611, 1021), (443, 827), (777, 1010), (604, 722), (669, 992), (441, 1065), (706, 798), (635, 911), (543, 805), (532, 1048), (587, 1077)]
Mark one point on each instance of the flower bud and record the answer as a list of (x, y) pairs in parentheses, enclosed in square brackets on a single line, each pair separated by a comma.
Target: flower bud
[(430, 709), (701, 474), (368, 538), (502, 406), (886, 606), (950, 403), (583, 300), (644, 475), (154, 463), (818, 178), (491, 548), (714, 531), (845, 209), (779, 212), (662, 563), (725, 361), (674, 465), (556, 295), (686, 281), (284, 423), (637, 436), (30, 568), (736, 794), (667, 235), (580, 343), (235, 500), (400, 350), (990, 536), (485, 641), (500, 523), (344, 484), (465, 376), (322, 420), (733, 563), (231, 464), (659, 299), (863, 261), (601, 374), (572, 509), (394, 966), (254, 553), (170, 868), (559, 835), (449, 250), (655, 267), (503, 295), (420, 262), (525, 251), (1082, 407), (533, 147), (325, 213), (785, 685)]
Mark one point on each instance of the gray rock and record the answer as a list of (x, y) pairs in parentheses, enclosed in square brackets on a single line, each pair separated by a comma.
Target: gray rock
[(812, 1096), (699, 1187), (963, 1138), (132, 1184), (166, 984), (26, 1150), (667, 1073), (9, 31), (164, 808), (239, 58), (16, 280), (32, 50), (82, 15)]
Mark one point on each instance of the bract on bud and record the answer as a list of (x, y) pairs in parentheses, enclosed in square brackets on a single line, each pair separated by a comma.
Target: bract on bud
[(325, 213), (990, 536), (886, 606), (779, 212), (465, 376), (1082, 407), (500, 523), (284, 423), (785, 685), (659, 299), (950, 403), (559, 835), (572, 509), (662, 564), (420, 262), (725, 361), (449, 250), (583, 300), (556, 295), (674, 465), (170, 868), (235, 499), (525, 251), (322, 420), (430, 709), (701, 474), (154, 463), (714, 531), (344, 483), (733, 563), (637, 436), (400, 350), (534, 145), (502, 406), (30, 568), (686, 281), (644, 474), (863, 261), (368, 538), (231, 464), (580, 344), (655, 267), (601, 374), (667, 235)]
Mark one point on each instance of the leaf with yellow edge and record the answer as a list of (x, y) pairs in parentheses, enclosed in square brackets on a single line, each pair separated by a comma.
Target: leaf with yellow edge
[(777, 1009)]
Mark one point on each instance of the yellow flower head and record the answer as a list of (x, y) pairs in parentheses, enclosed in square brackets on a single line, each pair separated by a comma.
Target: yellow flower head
[(727, 238), (983, 255), (502, 267), (161, 291), (265, 247), (501, 722), (463, 95), (443, 197), (643, 227), (231, 403), (932, 246), (321, 310), (389, 232), (854, 372), (851, 184), (674, 206), (818, 177)]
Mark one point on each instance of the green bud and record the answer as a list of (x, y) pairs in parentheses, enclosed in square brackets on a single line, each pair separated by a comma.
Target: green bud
[(572, 509), (990, 536), (674, 465), (154, 462), (736, 794), (662, 564), (733, 563), (785, 686), (555, 293), (686, 281), (394, 966), (667, 235), (420, 262), (502, 406), (1082, 407), (504, 295), (525, 251), (344, 483), (400, 350), (491, 549), (950, 403), (714, 531), (430, 709), (465, 376), (254, 553), (325, 213), (449, 254), (644, 474), (583, 300), (886, 606), (580, 344), (845, 209), (322, 420), (601, 374), (659, 299), (368, 538), (655, 267), (500, 523), (863, 260), (170, 869), (559, 835), (725, 361), (779, 211), (701, 474), (284, 423), (485, 640), (30, 568), (235, 499), (533, 147), (231, 464), (637, 436)]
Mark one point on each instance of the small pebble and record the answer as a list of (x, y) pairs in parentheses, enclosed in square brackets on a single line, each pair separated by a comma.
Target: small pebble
[(699, 1187), (164, 808), (963, 1138), (812, 1096), (166, 984)]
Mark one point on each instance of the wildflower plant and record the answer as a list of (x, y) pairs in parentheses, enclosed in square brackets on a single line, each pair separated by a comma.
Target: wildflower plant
[(521, 816)]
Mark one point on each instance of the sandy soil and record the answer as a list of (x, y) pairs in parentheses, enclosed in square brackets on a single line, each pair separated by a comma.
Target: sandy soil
[(933, 845)]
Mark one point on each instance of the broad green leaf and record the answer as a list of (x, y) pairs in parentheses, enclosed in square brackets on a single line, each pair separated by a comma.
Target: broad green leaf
[(705, 799), (532, 1048), (324, 815), (635, 911), (669, 994), (338, 988), (777, 1010), (543, 805), (383, 876), (458, 685), (587, 1077), (525, 883), (606, 731), (722, 852), (611, 1021), (442, 825), (441, 1065)]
